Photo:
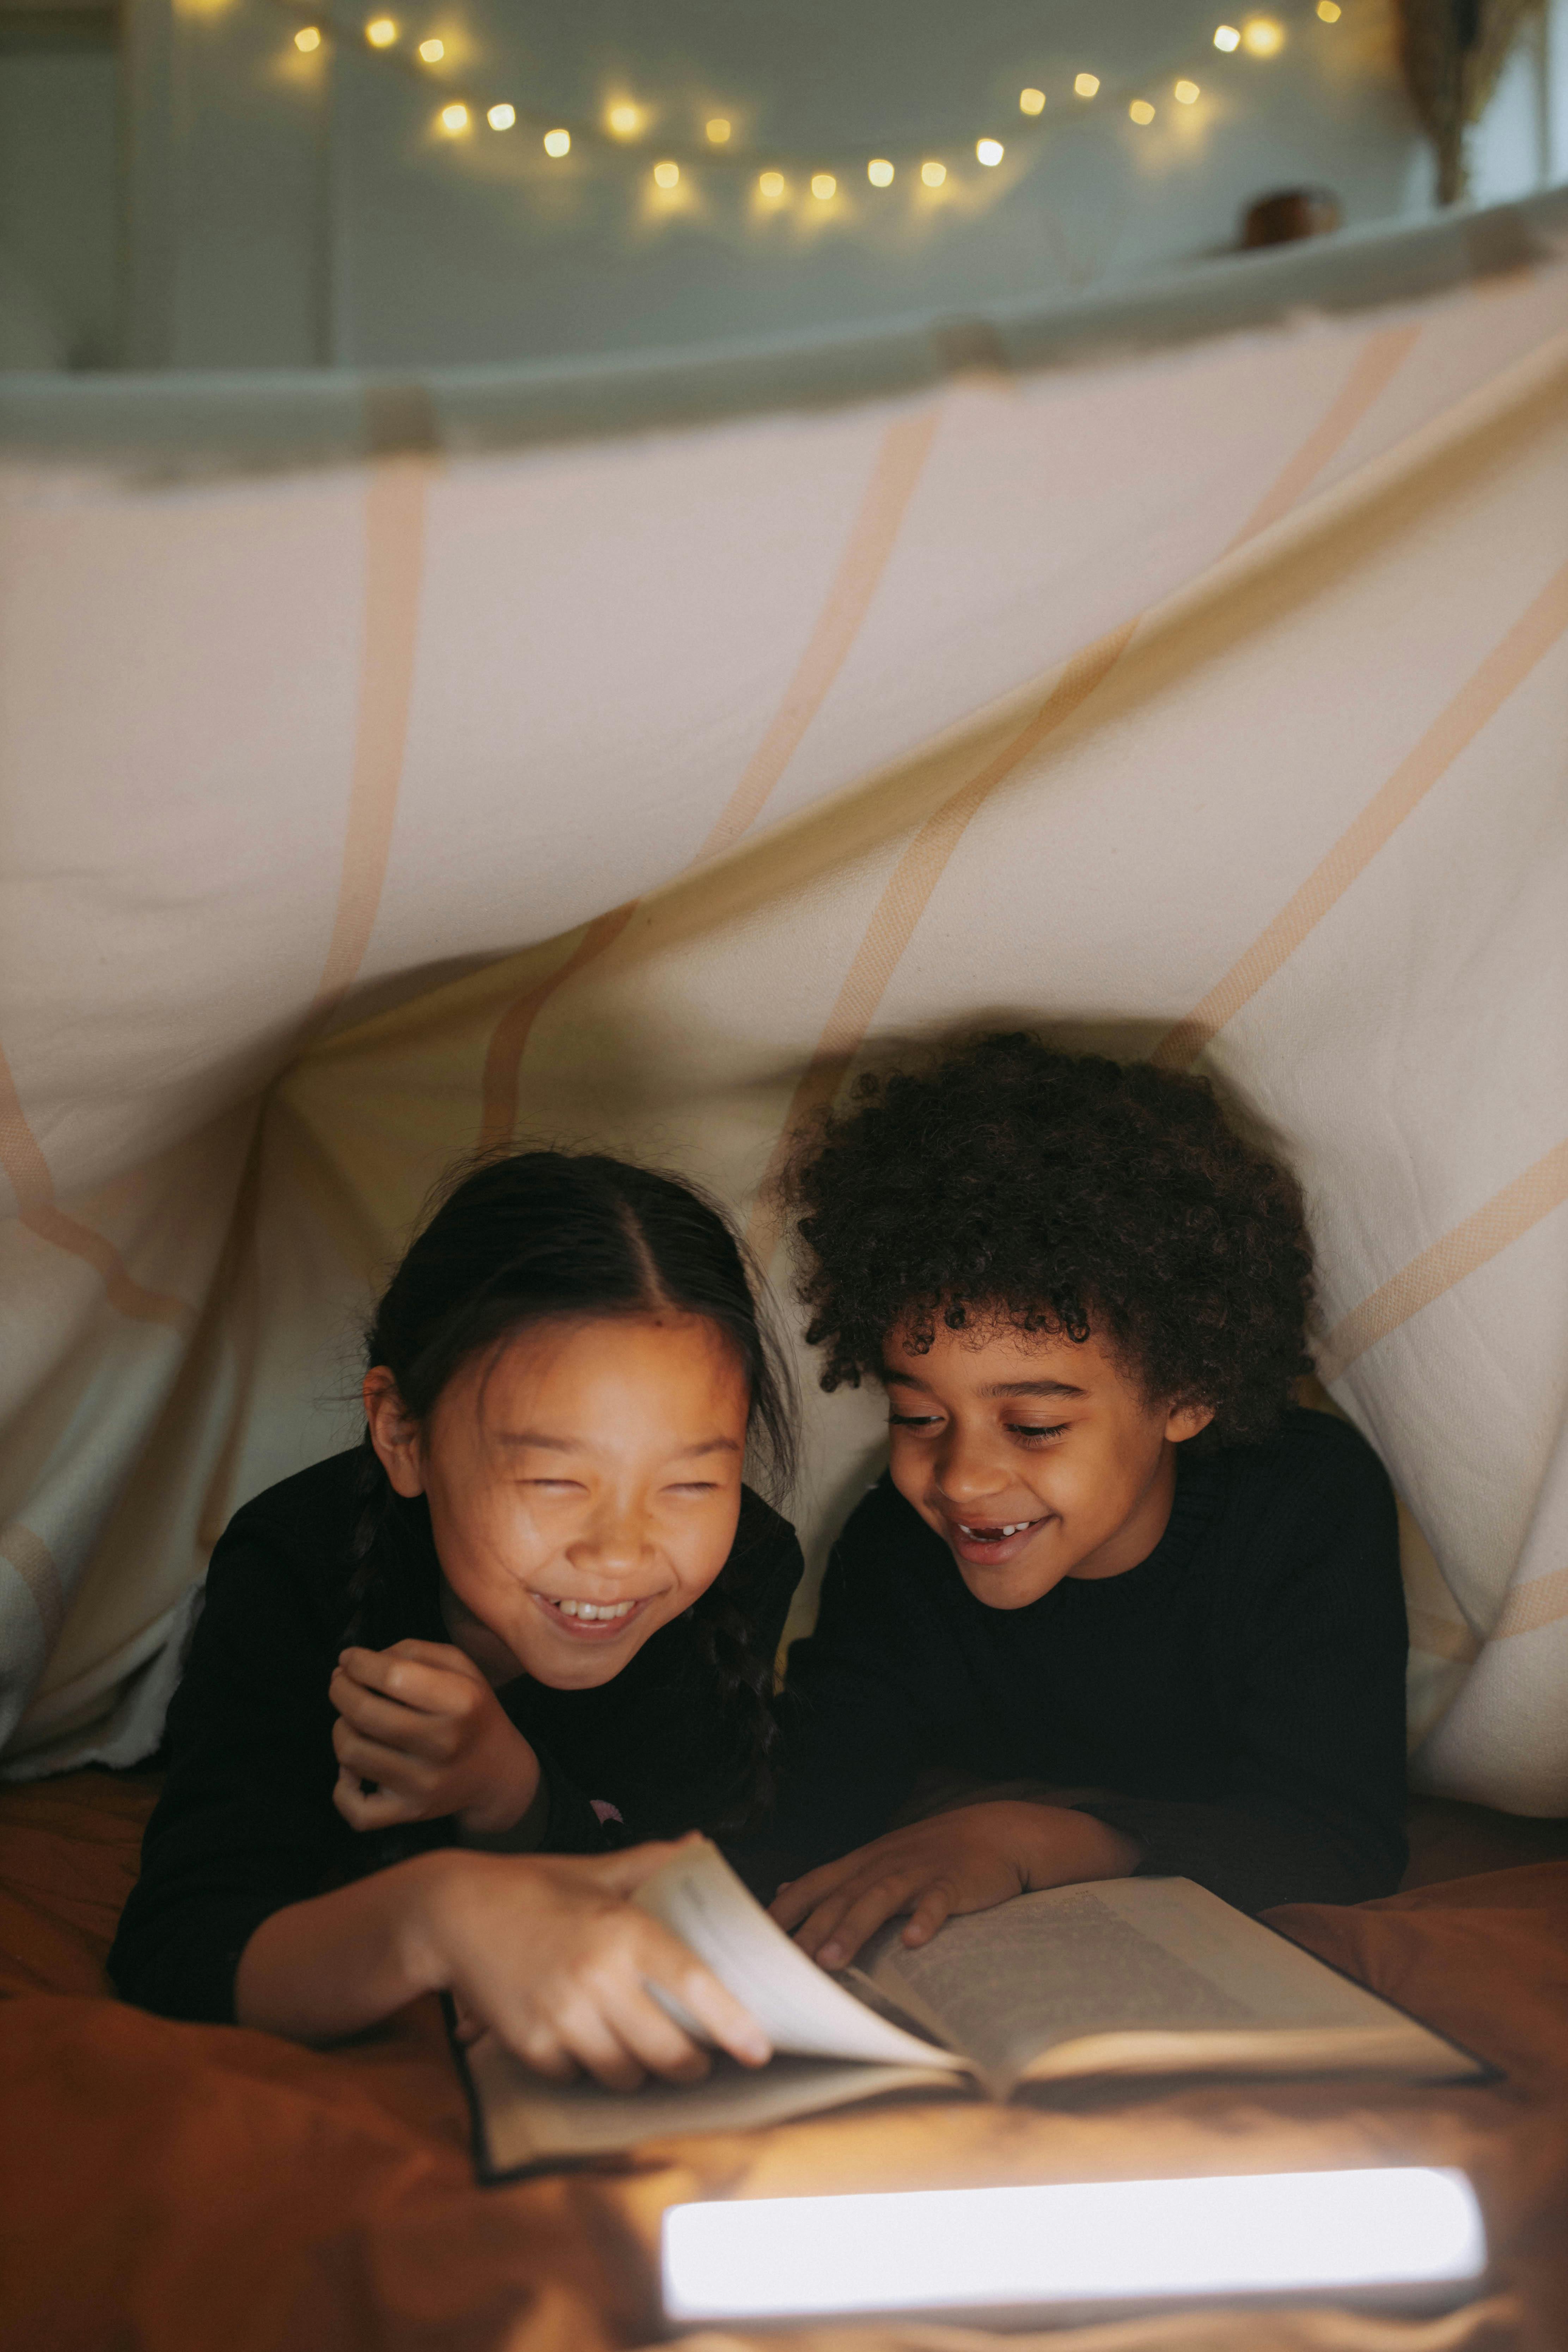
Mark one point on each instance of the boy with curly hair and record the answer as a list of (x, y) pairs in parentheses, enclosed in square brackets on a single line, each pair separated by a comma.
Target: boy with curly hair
[(1141, 1613)]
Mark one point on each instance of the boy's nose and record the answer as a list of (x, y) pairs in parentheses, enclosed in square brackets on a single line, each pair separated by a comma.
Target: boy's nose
[(965, 1473)]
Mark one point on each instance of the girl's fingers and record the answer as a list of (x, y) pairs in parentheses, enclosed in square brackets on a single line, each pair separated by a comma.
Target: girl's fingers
[(428, 1686), (655, 2039), (386, 1720), (624, 1873), (668, 1964), (592, 2039), (392, 1766), (369, 1809), (937, 1904)]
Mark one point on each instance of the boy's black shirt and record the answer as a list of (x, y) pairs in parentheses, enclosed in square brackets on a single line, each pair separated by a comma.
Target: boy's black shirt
[(245, 1823), (1241, 1691)]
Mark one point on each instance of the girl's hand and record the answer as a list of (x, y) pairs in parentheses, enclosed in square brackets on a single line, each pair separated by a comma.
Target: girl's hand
[(422, 1723), (548, 1951), (965, 1860)]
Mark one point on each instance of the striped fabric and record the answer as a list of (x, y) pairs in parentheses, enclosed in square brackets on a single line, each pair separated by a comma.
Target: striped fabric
[(628, 757)]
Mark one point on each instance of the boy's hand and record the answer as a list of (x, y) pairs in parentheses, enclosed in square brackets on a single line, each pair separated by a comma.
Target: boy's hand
[(422, 1723), (548, 1951), (965, 1860)]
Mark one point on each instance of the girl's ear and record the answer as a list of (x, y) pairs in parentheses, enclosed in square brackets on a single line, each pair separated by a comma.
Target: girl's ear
[(1186, 1421), (393, 1432)]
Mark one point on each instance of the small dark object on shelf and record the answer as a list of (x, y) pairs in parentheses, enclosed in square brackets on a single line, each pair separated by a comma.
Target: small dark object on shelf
[(1289, 214)]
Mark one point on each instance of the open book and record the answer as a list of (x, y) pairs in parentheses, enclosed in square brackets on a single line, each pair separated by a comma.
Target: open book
[(1129, 1976)]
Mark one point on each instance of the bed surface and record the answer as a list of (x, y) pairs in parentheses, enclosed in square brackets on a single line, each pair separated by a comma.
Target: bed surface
[(201, 2189)]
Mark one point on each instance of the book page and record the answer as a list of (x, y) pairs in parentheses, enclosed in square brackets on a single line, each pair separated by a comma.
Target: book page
[(528, 2120), (1160, 1962), (800, 2008)]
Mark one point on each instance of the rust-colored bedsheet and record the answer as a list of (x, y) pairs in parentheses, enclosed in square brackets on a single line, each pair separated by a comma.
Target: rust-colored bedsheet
[(198, 2188)]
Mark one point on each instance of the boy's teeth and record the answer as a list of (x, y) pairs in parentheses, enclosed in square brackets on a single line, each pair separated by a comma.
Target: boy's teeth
[(588, 1609), (989, 1534)]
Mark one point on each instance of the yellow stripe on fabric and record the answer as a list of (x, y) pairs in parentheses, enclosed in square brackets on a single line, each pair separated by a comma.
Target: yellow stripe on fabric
[(28, 1171), (394, 573), (903, 901), (1378, 362), (901, 461), (1529, 1607), (1441, 1637), (1490, 1228), (1478, 700), (509, 1040), (33, 1563)]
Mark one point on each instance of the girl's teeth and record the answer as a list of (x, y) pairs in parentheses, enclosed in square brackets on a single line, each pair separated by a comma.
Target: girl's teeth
[(587, 1610)]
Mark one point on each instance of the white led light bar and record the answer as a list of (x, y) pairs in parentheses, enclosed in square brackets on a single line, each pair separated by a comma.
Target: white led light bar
[(1407, 2236)]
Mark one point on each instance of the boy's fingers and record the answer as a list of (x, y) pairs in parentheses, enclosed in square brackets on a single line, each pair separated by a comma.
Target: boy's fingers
[(935, 1905), (883, 1899), (794, 1902), (385, 1720), (371, 1808), (429, 1685), (394, 1767)]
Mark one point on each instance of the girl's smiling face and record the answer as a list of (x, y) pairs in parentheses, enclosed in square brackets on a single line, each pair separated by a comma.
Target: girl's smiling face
[(1034, 1458), (584, 1485)]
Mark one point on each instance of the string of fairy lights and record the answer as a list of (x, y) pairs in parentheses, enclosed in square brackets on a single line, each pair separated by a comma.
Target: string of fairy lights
[(624, 129)]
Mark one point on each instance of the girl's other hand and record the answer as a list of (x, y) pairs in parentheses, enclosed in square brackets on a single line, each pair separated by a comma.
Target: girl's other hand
[(547, 1950), (965, 1860), (420, 1721)]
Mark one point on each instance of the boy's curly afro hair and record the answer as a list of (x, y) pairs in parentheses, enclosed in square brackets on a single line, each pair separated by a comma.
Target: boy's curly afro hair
[(1066, 1194)]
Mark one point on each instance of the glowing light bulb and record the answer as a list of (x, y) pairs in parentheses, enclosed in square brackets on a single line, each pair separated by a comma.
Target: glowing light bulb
[(625, 121), (432, 51), (501, 117), (1031, 101), (666, 176), (454, 119), (1140, 110), (717, 129), (1186, 93), (558, 142), (381, 32), (1086, 84), (307, 39), (989, 151), (933, 174), (1227, 37), (1263, 36), (1329, 11), (880, 172), (824, 185), (771, 184)]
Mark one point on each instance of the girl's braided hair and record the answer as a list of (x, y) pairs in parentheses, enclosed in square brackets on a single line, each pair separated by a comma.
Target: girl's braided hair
[(514, 1239), (1064, 1194)]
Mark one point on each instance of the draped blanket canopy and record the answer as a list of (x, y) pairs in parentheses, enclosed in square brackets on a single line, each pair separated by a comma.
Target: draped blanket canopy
[(624, 755)]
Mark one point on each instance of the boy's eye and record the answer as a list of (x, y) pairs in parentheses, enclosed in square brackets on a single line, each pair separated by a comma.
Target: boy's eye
[(1026, 1429)]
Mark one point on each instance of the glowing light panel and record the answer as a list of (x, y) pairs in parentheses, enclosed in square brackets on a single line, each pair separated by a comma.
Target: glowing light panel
[(989, 151), (933, 174), (432, 51), (1227, 37), (666, 176), (381, 32), (1329, 11), (823, 186), (501, 117), (771, 184), (880, 172), (625, 121), (1186, 93), (1086, 84), (454, 119), (308, 38), (1140, 110), (1031, 101), (718, 127), (558, 142), (1109, 2242), (1263, 36)]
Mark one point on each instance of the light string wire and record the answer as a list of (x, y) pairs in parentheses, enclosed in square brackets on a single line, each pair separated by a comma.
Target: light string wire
[(1258, 38)]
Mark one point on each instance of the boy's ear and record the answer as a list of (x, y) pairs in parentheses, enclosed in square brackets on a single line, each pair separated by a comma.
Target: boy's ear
[(1185, 1422), (393, 1432)]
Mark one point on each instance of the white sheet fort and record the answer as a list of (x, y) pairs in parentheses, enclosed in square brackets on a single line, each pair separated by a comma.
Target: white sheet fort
[(622, 751)]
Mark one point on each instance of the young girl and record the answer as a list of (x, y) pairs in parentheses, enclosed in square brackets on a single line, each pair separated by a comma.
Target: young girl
[(1109, 1561), (532, 1616)]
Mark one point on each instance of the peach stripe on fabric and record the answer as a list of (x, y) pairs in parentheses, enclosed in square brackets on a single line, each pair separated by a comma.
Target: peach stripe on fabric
[(33, 1563), (1378, 362), (901, 461), (28, 1171), (1440, 1637), (903, 901), (1529, 1607), (1468, 1244), (394, 573), (1478, 700), (509, 1040)]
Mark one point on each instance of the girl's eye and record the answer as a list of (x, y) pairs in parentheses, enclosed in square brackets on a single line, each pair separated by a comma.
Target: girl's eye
[(1021, 1428), (694, 1487), (913, 1420)]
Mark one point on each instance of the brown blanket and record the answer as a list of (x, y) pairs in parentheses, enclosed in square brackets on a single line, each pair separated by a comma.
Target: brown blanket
[(200, 2189)]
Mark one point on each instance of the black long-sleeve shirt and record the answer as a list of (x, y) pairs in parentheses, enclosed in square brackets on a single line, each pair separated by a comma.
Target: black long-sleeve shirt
[(245, 1823), (1241, 1691)]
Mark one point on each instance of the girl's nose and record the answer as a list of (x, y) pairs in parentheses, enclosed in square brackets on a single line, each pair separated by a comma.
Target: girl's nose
[(613, 1546)]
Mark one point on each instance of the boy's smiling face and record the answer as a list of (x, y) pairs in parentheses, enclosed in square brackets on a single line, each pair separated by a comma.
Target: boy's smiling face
[(1034, 1458)]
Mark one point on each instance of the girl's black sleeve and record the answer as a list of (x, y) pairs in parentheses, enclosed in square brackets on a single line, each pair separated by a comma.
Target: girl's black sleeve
[(245, 1823)]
